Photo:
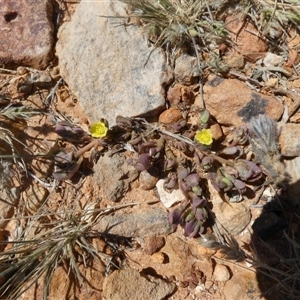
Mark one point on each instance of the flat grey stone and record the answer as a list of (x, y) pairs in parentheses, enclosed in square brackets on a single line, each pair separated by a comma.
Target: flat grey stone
[(26, 31), (105, 63), (114, 175), (145, 223)]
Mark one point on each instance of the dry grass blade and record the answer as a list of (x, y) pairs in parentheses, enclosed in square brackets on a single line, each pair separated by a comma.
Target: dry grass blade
[(230, 249), (22, 112), (61, 241)]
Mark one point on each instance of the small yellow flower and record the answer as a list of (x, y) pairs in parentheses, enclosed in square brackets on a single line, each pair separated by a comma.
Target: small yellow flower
[(204, 137), (98, 130)]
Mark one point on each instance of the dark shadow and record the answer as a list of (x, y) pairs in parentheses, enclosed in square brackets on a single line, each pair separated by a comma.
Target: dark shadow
[(276, 244)]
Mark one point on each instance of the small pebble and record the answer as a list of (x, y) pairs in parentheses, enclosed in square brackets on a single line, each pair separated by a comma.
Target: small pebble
[(22, 70), (296, 83), (147, 181), (159, 257), (168, 199), (221, 273), (153, 244)]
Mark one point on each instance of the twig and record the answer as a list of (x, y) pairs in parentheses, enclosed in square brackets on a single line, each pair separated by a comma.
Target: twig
[(200, 76), (51, 95), (293, 108)]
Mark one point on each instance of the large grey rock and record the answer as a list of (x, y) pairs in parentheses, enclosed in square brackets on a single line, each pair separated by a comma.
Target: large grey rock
[(105, 63), (26, 31)]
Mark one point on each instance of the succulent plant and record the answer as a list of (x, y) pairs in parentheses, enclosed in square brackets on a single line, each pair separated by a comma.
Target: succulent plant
[(190, 216), (71, 132)]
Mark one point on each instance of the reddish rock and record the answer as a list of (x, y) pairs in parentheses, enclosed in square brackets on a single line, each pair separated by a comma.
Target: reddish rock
[(293, 58), (216, 131), (174, 94), (231, 102), (170, 116), (182, 93), (147, 180), (153, 244), (26, 31), (244, 35)]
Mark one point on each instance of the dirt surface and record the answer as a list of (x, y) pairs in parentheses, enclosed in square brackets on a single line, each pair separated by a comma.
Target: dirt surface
[(196, 271)]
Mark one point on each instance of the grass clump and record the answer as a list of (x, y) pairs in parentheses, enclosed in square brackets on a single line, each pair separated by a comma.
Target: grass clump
[(174, 23), (64, 239)]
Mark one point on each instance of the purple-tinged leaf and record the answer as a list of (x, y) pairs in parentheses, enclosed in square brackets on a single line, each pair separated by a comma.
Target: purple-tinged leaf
[(192, 179)]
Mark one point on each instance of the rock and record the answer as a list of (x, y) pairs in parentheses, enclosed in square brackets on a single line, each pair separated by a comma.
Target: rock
[(174, 94), (159, 258), (147, 180), (9, 199), (296, 83), (26, 33), (107, 66), (235, 60), (180, 261), (231, 102), (250, 45), (182, 93), (216, 131), (186, 69), (293, 42), (144, 223), (221, 273), (168, 199), (272, 59), (293, 169), (41, 80), (153, 244), (169, 116), (289, 140), (293, 58), (114, 175), (234, 217), (138, 286), (243, 285), (272, 82)]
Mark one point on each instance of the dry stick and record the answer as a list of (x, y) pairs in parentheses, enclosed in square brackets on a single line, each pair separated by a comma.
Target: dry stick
[(245, 78), (200, 76), (50, 97), (291, 95)]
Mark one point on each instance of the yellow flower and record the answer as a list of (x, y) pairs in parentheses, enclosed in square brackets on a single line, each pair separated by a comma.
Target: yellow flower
[(98, 130), (204, 137)]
